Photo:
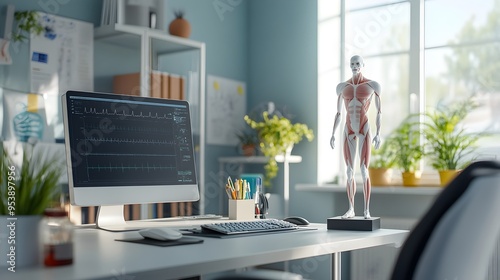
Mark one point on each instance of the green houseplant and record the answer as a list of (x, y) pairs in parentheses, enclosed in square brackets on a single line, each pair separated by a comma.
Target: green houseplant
[(382, 160), (277, 135), (447, 143), (27, 22), (34, 184), (406, 140), (248, 141), (25, 191)]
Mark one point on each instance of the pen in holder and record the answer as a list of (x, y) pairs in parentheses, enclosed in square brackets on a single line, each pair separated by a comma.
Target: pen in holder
[(241, 203)]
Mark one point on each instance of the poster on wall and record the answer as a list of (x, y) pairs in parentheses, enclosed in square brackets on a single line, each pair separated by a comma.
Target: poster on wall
[(24, 118), (61, 58), (226, 108)]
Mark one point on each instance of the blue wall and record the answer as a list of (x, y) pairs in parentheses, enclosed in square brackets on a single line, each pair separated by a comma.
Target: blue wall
[(226, 40), (269, 44), (283, 68)]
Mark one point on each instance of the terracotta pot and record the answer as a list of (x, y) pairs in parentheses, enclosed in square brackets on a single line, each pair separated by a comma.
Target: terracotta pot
[(180, 27), (445, 176), (411, 179), (380, 176), (248, 150)]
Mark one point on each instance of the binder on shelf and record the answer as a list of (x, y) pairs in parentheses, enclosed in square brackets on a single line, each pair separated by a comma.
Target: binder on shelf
[(164, 85), (126, 212), (156, 86), (174, 87), (129, 84), (132, 212), (136, 212), (159, 210), (183, 88)]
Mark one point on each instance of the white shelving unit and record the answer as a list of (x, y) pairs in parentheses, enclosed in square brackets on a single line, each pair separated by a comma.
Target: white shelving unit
[(242, 160), (151, 44)]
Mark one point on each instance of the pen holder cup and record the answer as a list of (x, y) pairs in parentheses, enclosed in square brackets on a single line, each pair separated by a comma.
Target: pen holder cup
[(241, 209)]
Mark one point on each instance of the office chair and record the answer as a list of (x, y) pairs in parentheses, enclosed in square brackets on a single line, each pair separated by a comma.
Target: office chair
[(456, 237)]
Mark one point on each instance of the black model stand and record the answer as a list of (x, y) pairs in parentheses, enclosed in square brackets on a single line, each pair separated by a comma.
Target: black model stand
[(355, 223)]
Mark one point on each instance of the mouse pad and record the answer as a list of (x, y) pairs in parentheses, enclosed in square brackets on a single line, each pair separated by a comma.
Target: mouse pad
[(161, 243)]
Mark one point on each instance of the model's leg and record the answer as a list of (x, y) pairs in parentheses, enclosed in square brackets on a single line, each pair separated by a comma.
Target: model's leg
[(364, 160), (349, 155)]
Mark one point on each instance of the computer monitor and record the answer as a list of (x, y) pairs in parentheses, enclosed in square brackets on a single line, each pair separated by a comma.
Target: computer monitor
[(127, 150)]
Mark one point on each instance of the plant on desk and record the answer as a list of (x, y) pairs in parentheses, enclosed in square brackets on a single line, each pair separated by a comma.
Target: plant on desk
[(277, 135), (25, 192)]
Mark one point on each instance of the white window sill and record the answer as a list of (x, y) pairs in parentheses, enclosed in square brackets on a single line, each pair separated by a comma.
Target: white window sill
[(420, 190)]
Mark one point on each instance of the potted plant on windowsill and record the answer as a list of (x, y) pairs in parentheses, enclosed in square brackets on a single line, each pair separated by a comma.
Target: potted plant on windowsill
[(277, 135), (448, 144), (382, 161), (26, 190), (406, 141)]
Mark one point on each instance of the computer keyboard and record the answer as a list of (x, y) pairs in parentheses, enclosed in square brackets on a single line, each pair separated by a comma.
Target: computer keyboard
[(242, 227)]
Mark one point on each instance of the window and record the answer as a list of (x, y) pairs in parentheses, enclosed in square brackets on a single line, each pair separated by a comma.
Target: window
[(459, 59), (462, 60)]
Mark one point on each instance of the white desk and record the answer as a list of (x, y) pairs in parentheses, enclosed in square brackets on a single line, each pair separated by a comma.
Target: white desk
[(99, 256)]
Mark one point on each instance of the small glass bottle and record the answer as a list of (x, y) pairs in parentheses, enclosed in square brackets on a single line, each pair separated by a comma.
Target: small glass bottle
[(57, 237)]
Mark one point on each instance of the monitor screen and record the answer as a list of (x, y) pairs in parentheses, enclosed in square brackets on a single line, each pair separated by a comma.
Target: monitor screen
[(127, 150)]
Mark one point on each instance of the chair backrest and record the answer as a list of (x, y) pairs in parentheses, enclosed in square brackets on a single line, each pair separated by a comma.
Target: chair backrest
[(455, 238)]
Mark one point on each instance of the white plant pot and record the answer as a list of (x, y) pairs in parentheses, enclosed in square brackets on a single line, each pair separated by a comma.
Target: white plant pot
[(20, 233)]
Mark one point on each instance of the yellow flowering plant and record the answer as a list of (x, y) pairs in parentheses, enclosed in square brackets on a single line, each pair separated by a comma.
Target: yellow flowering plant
[(276, 135)]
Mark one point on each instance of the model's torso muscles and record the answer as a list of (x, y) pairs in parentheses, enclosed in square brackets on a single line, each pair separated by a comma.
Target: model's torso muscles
[(357, 101)]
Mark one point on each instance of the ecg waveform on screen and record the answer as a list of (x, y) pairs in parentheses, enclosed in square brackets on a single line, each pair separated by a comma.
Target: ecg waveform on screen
[(130, 141), (132, 129), (123, 168), (138, 142), (132, 114)]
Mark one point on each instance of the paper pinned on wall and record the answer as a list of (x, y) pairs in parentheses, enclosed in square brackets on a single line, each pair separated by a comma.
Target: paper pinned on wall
[(25, 117), (61, 58), (226, 108)]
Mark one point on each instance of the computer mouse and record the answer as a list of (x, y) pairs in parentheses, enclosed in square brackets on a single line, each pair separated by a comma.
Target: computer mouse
[(297, 220), (163, 234)]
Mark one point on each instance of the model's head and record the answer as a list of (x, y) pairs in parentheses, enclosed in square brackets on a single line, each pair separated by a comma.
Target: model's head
[(357, 64)]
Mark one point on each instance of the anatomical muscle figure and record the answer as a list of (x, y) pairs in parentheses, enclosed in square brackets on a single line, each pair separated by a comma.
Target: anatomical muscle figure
[(356, 94)]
